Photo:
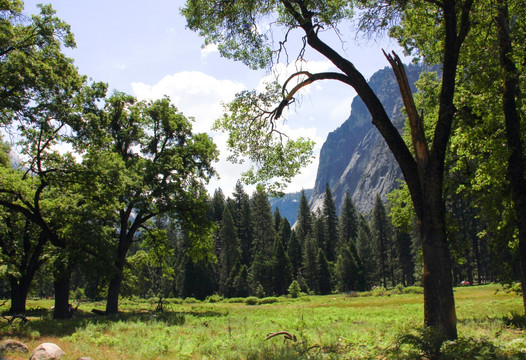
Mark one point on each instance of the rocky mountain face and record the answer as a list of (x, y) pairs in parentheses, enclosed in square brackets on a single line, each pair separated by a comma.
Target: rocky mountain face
[(355, 158)]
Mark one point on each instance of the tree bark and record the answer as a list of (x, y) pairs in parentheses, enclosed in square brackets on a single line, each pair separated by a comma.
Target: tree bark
[(19, 290), (439, 302), (516, 166), (29, 265), (61, 284), (114, 289)]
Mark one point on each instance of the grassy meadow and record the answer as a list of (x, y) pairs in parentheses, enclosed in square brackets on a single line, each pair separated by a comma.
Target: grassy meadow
[(366, 326)]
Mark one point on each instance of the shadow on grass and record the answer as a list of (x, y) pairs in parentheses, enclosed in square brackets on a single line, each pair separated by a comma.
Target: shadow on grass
[(41, 321)]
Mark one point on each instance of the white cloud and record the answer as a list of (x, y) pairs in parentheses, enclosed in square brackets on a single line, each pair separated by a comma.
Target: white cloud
[(194, 93), (200, 95)]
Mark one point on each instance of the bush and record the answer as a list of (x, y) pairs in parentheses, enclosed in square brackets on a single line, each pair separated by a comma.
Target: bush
[(398, 289), (294, 289), (234, 300), (77, 295), (379, 291), (214, 298), (429, 343), (251, 300), (268, 300), (414, 290), (191, 300), (515, 320)]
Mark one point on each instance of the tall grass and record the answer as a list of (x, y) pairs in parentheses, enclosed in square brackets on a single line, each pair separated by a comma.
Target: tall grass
[(334, 326)]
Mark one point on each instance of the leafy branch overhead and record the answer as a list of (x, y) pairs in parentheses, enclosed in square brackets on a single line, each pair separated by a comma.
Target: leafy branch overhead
[(251, 120)]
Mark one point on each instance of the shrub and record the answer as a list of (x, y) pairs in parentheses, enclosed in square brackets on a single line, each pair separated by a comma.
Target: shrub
[(268, 300), (414, 290), (78, 294), (234, 300), (515, 320), (214, 298), (191, 300), (251, 300), (379, 291), (294, 289), (428, 343), (398, 289), (468, 348)]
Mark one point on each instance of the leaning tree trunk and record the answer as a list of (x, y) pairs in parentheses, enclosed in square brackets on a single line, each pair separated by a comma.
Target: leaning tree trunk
[(114, 289)]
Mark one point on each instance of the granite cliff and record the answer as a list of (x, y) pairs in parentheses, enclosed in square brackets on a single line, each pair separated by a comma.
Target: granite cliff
[(355, 158)]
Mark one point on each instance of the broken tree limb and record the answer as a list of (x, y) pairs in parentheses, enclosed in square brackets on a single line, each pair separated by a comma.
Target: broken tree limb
[(286, 335)]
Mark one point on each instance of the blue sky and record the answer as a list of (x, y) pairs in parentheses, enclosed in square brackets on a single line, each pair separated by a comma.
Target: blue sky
[(144, 49)]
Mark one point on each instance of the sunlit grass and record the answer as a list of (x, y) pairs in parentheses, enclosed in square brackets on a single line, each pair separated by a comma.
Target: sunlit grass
[(334, 326)]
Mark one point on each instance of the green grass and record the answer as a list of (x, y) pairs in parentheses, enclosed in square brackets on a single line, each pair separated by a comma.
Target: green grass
[(326, 327)]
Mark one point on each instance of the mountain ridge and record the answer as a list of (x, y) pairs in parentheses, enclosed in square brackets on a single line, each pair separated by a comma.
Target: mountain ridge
[(355, 157)]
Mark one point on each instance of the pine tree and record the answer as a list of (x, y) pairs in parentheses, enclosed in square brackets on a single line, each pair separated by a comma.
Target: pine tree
[(304, 222), (260, 274), (324, 274), (349, 269), (263, 237), (405, 257), (230, 251), (242, 219), (365, 251), (348, 223), (382, 234), (359, 276), (284, 232), (277, 219), (330, 218), (310, 263), (263, 229), (217, 206), (238, 281), (282, 268), (294, 253), (319, 229), (346, 270)]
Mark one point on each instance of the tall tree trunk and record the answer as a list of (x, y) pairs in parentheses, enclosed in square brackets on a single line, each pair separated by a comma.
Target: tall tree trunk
[(516, 166), (61, 284), (28, 267), (19, 291), (439, 302), (114, 289)]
